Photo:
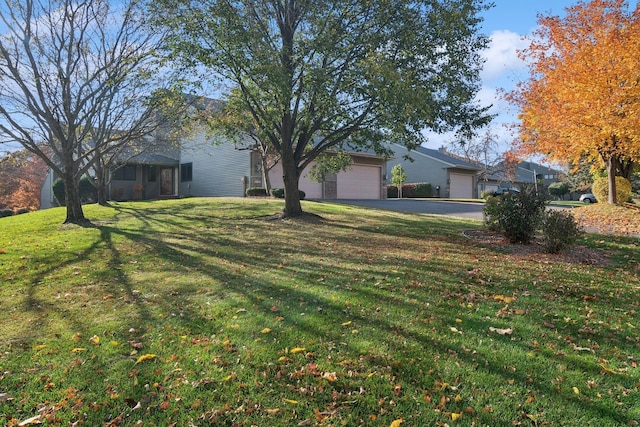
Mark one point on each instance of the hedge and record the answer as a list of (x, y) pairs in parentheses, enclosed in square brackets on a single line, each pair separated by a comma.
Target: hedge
[(278, 193), (410, 191), (256, 191)]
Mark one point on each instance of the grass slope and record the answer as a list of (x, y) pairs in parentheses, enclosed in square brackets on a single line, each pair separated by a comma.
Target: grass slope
[(203, 312)]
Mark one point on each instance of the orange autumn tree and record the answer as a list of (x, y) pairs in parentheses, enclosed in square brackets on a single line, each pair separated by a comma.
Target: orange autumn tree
[(582, 98)]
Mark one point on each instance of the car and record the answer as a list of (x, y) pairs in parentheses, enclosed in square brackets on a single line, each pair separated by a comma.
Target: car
[(588, 198), (505, 191)]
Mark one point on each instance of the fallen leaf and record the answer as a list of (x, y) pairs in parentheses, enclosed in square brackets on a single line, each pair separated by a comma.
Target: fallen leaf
[(455, 330), (503, 298), (346, 323), (397, 423), (265, 331), (273, 411), (78, 350), (296, 350), (576, 390), (329, 376), (95, 340), (145, 357), (507, 331), (549, 325), (39, 347), (4, 397), (455, 415), (291, 401)]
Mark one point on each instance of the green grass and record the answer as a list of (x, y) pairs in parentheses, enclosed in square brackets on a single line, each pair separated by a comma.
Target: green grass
[(362, 317)]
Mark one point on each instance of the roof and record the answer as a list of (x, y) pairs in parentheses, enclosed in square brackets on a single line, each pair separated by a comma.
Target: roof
[(451, 161), (153, 159)]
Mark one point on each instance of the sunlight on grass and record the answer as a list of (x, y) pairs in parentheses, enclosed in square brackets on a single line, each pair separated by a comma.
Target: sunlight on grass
[(209, 312)]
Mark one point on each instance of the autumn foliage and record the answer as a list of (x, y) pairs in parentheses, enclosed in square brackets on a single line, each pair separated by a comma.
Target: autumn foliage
[(21, 176), (584, 90)]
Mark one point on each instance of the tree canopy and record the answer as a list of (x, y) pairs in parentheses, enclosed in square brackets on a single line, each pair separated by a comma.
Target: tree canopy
[(582, 97), (74, 82), (324, 75)]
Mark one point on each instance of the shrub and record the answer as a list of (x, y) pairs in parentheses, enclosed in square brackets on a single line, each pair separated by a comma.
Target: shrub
[(516, 215), (486, 194), (256, 191), (278, 193), (5, 212), (87, 191), (559, 189), (418, 189), (422, 189), (559, 230), (600, 189), (392, 192), (21, 211), (58, 191)]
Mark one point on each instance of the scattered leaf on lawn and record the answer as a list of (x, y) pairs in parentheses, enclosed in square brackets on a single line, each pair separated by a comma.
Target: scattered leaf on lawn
[(329, 376), (78, 349), (507, 331), (455, 415), (346, 323), (95, 340), (576, 390), (274, 411), (549, 325), (145, 357), (265, 331), (296, 350), (291, 401), (39, 346), (397, 423), (503, 298), (4, 397), (453, 329)]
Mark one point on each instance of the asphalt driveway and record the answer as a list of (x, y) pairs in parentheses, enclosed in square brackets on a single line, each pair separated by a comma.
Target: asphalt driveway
[(472, 210)]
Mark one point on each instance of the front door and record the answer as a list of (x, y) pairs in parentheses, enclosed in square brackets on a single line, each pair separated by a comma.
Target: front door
[(166, 182)]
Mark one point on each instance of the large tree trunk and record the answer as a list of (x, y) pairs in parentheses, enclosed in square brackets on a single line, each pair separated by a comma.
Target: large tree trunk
[(291, 178), (75, 215), (611, 174), (101, 183)]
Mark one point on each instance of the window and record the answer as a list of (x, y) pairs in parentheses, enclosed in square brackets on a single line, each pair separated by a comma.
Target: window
[(151, 176), (125, 173), (186, 172)]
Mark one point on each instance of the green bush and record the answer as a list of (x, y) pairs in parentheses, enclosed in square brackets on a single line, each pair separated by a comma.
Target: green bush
[(5, 212), (600, 189), (414, 190), (486, 194), (278, 193), (516, 215), (58, 191), (256, 191), (559, 230), (559, 189), (21, 211), (86, 190)]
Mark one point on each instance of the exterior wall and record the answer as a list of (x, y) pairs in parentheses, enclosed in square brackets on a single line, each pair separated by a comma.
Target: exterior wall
[(422, 169), (218, 170), (312, 189), (46, 193)]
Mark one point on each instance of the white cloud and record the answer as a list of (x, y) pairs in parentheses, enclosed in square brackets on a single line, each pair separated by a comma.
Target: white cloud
[(501, 57)]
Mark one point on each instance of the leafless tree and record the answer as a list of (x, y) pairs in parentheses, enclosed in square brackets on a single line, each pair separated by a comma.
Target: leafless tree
[(78, 76)]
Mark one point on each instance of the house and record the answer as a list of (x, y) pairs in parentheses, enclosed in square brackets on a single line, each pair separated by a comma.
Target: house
[(201, 166), (450, 176), (525, 172)]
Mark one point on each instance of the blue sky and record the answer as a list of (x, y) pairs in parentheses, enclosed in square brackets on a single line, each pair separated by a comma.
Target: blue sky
[(506, 24)]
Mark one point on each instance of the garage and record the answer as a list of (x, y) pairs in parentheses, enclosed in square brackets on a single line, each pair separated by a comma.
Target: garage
[(360, 182), (460, 186)]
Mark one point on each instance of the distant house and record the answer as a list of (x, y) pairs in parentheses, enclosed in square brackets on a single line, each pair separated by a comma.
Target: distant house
[(200, 167), (450, 176), (526, 172)]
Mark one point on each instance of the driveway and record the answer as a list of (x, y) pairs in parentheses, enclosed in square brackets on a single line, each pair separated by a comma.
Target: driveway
[(471, 210)]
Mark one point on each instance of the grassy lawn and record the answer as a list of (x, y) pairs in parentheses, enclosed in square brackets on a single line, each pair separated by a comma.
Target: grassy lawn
[(203, 312)]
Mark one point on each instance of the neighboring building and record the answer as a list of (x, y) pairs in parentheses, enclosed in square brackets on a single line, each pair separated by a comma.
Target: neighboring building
[(201, 168), (526, 172), (449, 175)]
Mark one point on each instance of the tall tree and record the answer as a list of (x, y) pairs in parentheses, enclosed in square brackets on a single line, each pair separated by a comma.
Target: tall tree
[(22, 175), (320, 75), (584, 91), (71, 73)]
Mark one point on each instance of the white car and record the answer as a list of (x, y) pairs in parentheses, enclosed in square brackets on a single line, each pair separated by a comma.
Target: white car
[(588, 198)]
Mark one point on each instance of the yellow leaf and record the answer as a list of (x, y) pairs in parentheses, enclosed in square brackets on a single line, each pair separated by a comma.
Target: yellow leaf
[(298, 350), (95, 340), (265, 331), (114, 343), (273, 411), (228, 378), (78, 350), (458, 320), (346, 323), (455, 415), (575, 390), (397, 423), (39, 347), (145, 357), (293, 402)]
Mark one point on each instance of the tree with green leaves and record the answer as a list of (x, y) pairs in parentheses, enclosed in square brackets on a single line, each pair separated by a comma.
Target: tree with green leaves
[(398, 178), (335, 75)]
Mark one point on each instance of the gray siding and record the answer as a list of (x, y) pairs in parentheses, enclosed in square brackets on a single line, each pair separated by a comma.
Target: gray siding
[(217, 169), (422, 169)]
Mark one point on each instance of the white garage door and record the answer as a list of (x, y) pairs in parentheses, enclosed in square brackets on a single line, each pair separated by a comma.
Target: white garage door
[(361, 182), (461, 186)]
